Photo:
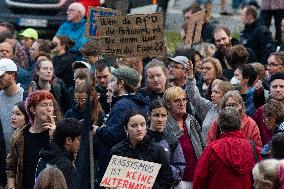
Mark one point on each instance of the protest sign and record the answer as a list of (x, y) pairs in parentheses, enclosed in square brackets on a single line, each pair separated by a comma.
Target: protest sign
[(126, 173), (194, 28), (94, 12), (132, 35)]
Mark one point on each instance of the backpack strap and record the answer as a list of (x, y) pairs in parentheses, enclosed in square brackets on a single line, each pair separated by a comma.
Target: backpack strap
[(255, 156)]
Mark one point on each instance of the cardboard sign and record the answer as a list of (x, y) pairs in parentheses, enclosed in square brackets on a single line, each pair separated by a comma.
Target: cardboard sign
[(132, 35), (94, 12), (194, 28), (127, 173)]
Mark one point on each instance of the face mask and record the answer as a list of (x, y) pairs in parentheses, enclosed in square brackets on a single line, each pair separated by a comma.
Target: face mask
[(235, 81)]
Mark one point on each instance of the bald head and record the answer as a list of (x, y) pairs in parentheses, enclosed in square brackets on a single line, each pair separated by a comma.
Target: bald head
[(6, 50)]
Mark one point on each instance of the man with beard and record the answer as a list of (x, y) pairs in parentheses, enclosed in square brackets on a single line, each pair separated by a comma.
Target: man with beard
[(124, 82), (223, 40), (10, 94)]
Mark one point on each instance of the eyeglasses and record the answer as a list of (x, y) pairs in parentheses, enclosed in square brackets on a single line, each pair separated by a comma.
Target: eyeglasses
[(273, 65), (180, 101), (82, 100), (233, 105), (176, 67), (4, 50), (206, 68)]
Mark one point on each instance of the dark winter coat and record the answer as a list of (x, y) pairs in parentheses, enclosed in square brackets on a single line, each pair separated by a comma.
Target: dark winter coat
[(56, 155), (174, 151), (147, 150), (114, 132), (63, 68), (83, 157), (259, 38)]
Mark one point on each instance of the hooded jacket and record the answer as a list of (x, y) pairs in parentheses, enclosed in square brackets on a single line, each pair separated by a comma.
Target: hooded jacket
[(64, 161), (226, 163), (114, 132), (249, 130)]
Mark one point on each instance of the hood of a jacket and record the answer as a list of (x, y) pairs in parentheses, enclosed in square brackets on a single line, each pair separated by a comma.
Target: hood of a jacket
[(235, 152), (53, 151), (138, 99)]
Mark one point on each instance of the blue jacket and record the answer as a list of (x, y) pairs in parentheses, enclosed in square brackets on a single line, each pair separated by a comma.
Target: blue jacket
[(75, 31), (114, 132), (174, 151)]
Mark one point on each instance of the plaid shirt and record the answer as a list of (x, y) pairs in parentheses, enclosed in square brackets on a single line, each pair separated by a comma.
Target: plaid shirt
[(21, 57)]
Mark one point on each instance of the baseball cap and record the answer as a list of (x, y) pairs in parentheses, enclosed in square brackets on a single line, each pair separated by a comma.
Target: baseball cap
[(180, 60), (7, 65), (128, 75), (30, 32), (81, 64)]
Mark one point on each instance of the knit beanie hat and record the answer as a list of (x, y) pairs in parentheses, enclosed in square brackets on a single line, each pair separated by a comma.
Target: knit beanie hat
[(128, 75), (277, 76)]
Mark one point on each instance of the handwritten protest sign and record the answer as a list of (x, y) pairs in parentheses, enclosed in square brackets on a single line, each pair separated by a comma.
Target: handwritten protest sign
[(126, 173), (195, 23), (94, 12), (132, 35)]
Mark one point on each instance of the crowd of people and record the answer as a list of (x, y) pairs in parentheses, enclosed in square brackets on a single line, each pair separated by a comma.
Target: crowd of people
[(211, 113)]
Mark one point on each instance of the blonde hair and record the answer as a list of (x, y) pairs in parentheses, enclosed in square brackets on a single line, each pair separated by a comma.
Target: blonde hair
[(266, 172), (171, 93), (50, 178), (216, 64), (225, 86), (260, 70)]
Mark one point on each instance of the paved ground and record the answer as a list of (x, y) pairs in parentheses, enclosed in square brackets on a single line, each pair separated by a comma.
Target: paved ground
[(175, 18)]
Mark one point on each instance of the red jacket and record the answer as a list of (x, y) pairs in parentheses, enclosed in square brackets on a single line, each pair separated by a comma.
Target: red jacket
[(249, 129), (226, 164), (265, 134)]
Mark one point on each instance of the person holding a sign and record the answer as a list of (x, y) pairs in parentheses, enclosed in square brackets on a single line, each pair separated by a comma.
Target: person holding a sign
[(159, 115), (138, 146)]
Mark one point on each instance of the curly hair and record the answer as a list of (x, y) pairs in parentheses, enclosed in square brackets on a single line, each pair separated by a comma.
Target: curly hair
[(274, 108)]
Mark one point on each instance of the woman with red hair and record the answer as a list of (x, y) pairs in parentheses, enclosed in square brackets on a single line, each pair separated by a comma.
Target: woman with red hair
[(26, 142)]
